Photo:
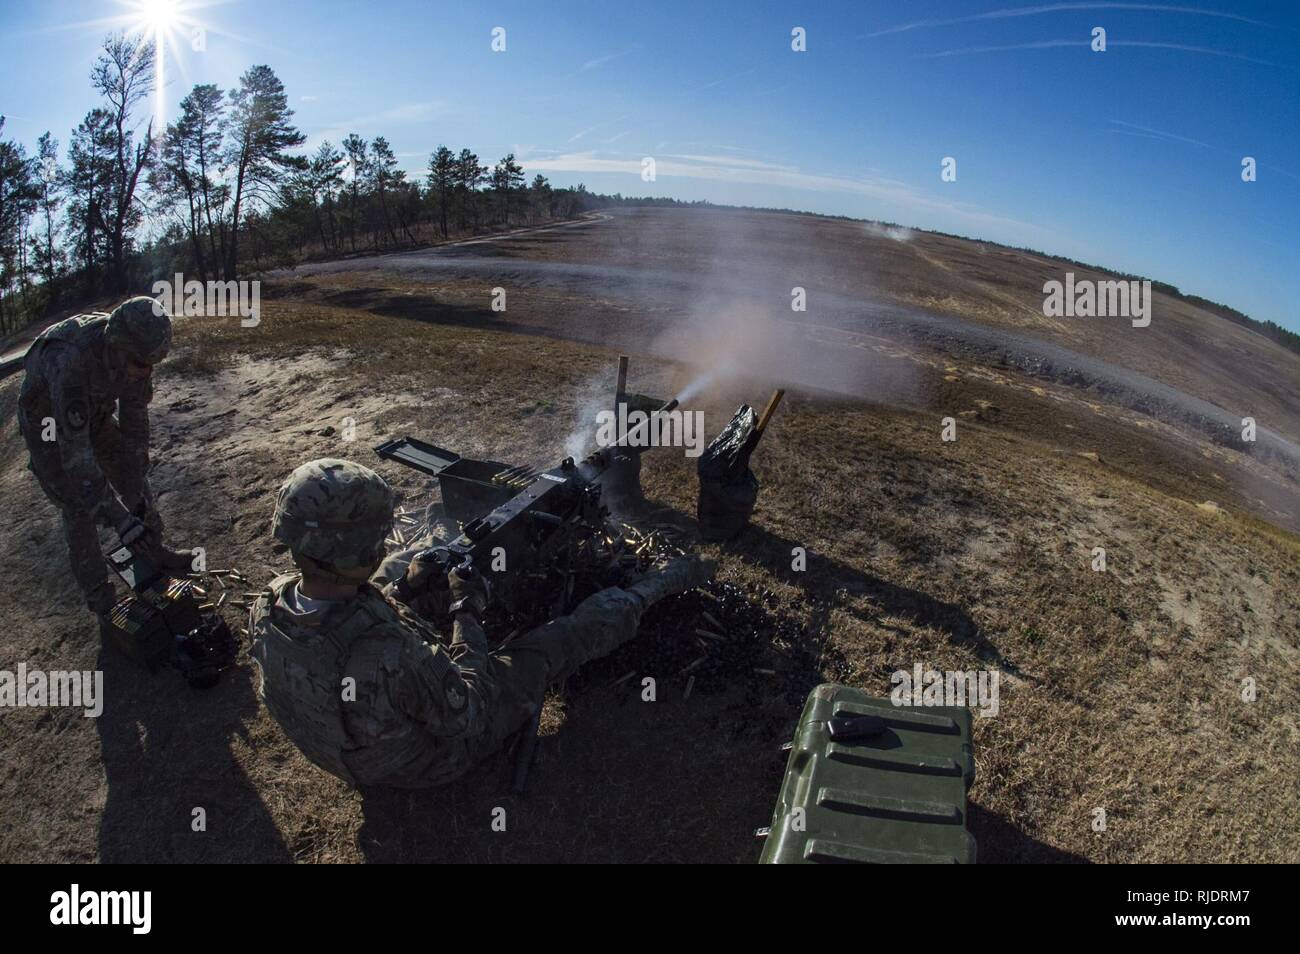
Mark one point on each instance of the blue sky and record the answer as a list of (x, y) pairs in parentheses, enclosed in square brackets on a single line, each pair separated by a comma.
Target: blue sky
[(1129, 158)]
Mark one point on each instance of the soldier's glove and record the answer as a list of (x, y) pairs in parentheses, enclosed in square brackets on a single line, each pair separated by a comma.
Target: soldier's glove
[(424, 572), (131, 530), (148, 516), (424, 582), (469, 591)]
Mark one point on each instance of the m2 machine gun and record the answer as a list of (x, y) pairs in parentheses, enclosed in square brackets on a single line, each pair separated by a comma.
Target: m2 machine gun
[(528, 530), (542, 538)]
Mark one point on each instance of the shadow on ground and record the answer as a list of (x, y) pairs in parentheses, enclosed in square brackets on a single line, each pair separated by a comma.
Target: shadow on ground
[(621, 782), (167, 751), (624, 781), (1000, 842)]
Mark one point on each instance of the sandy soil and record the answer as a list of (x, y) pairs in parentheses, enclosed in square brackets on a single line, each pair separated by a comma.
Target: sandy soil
[(1122, 690)]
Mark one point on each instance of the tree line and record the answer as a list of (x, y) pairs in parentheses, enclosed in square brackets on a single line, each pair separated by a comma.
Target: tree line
[(224, 189)]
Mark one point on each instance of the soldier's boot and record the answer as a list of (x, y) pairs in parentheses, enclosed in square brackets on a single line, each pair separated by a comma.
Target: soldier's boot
[(100, 600), (175, 561), (107, 631), (677, 576)]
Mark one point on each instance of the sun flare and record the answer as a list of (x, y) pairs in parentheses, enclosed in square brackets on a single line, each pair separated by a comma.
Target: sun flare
[(158, 21), (158, 15)]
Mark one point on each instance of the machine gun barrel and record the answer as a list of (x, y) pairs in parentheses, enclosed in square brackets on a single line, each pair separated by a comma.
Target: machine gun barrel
[(636, 431)]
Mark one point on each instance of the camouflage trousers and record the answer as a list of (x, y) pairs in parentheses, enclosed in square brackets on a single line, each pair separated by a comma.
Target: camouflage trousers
[(519, 671), (125, 474)]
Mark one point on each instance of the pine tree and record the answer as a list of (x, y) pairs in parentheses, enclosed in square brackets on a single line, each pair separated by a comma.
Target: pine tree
[(86, 183), (48, 253), (442, 180), (383, 175), (326, 179), (540, 197), (259, 135), (17, 202), (469, 175), (356, 151), (507, 176), (124, 75), (190, 148)]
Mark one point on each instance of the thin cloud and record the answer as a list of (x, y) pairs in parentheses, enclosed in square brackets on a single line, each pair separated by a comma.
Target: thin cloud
[(725, 79), (602, 60), (1159, 134), (1200, 49), (729, 161), (1036, 45), (590, 129), (695, 144), (750, 172), (377, 124), (1086, 44), (1058, 8)]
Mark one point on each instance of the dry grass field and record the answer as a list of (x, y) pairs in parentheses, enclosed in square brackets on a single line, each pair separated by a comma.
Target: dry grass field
[(1120, 690)]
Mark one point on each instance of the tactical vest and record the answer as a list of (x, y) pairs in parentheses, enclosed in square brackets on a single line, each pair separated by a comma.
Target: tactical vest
[(302, 677), (81, 332), (77, 330)]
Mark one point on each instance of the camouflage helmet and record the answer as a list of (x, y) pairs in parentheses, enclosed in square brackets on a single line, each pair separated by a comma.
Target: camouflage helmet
[(140, 327), (336, 514)]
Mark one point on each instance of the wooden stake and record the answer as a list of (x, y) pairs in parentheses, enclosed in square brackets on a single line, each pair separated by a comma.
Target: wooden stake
[(621, 389), (770, 410)]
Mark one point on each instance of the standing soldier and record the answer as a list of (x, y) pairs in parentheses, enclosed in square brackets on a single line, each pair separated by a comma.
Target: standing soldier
[(373, 693), (91, 464)]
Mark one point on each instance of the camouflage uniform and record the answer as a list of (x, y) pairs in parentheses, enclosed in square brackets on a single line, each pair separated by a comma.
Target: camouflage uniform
[(94, 468), (374, 694)]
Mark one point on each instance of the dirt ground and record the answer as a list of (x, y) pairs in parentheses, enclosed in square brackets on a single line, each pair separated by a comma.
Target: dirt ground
[(1120, 690)]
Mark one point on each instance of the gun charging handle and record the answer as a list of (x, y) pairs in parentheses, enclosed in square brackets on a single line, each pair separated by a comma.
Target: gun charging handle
[(441, 555)]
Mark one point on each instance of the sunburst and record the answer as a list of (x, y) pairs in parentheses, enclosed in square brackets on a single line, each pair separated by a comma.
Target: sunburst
[(159, 21), (164, 23), (170, 25)]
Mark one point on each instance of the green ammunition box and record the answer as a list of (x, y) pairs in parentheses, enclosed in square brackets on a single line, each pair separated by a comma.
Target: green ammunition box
[(145, 624), (139, 631), (874, 783)]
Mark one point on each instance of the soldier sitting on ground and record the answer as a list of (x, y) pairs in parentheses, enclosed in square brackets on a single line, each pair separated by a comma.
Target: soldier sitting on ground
[(93, 466), (369, 690)]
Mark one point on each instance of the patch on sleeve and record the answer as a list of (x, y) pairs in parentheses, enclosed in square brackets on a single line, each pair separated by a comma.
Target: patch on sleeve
[(75, 414), (451, 688)]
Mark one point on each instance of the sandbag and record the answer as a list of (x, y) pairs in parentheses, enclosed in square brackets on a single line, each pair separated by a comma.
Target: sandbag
[(724, 508), (728, 488)]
